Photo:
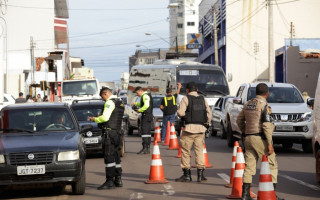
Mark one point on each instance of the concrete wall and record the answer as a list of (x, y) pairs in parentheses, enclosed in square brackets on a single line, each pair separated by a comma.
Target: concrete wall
[(247, 23), (302, 72)]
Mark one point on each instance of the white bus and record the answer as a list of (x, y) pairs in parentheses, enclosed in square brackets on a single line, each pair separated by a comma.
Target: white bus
[(210, 79)]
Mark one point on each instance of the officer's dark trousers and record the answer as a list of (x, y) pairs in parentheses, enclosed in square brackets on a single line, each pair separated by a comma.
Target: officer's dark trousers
[(146, 120), (112, 160)]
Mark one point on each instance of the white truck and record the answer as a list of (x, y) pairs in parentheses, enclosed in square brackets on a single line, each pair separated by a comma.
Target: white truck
[(79, 90), (291, 116)]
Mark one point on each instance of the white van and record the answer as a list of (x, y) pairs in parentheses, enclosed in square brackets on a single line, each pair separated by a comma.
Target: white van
[(316, 130)]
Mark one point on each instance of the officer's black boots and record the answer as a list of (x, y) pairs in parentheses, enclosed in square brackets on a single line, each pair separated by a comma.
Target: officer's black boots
[(246, 192), (186, 177), (274, 186), (143, 150), (148, 148), (109, 184), (201, 177), (118, 181)]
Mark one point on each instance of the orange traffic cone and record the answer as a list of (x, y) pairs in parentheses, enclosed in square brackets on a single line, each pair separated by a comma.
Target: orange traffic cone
[(205, 157), (234, 156), (156, 170), (157, 134), (167, 140), (237, 180), (173, 139), (266, 190), (179, 153)]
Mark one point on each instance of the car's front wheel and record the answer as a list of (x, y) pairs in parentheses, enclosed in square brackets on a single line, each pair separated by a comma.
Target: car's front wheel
[(79, 187), (318, 166), (230, 138)]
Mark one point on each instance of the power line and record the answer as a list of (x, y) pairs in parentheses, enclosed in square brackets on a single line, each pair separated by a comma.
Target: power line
[(88, 9)]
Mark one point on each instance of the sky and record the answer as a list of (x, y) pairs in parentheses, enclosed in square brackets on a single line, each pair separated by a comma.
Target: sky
[(105, 33)]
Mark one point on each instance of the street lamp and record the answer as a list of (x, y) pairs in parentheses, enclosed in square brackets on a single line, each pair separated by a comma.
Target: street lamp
[(140, 45), (149, 33)]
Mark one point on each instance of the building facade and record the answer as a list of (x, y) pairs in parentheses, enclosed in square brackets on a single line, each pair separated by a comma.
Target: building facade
[(33, 29), (243, 34)]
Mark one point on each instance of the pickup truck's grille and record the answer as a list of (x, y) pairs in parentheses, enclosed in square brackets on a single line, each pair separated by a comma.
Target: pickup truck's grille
[(38, 158), (286, 117)]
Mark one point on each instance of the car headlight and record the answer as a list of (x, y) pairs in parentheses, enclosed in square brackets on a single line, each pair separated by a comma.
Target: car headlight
[(68, 155), (2, 161), (306, 116)]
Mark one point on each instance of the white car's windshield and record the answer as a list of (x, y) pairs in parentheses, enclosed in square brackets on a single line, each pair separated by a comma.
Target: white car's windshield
[(279, 95)]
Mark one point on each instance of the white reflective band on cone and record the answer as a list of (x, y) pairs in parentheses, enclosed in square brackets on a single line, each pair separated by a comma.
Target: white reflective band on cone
[(238, 173), (265, 168), (267, 186), (240, 158), (156, 150), (111, 164), (156, 162), (233, 165), (204, 150), (173, 136)]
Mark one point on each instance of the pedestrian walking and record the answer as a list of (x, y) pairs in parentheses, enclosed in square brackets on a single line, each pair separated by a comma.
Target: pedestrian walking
[(21, 99), (110, 122), (255, 123), (195, 112), (169, 109), (145, 107), (39, 99)]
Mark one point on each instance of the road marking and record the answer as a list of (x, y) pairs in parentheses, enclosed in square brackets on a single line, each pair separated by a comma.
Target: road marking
[(168, 190), (227, 179), (224, 177), (136, 196), (314, 187)]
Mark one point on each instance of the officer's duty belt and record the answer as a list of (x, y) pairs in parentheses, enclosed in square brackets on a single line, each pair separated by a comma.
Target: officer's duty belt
[(254, 134)]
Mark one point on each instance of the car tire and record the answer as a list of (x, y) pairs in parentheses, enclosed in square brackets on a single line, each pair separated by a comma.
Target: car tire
[(129, 128), (230, 138), (212, 131), (79, 187), (223, 132), (307, 146), (318, 166), (287, 145)]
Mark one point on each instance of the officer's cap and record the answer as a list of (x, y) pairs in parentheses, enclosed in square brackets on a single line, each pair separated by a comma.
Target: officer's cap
[(137, 88), (169, 90)]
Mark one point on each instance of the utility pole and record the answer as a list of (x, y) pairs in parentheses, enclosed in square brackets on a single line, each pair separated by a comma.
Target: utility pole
[(292, 33), (215, 35), (32, 45), (177, 46), (270, 38), (256, 50)]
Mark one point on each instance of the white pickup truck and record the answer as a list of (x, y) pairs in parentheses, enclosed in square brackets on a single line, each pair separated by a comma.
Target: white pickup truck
[(291, 116)]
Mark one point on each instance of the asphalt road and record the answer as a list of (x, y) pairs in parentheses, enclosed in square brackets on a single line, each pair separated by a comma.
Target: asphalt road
[(296, 176)]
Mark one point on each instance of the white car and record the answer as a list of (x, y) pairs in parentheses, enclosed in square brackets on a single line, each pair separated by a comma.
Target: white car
[(316, 130), (7, 100)]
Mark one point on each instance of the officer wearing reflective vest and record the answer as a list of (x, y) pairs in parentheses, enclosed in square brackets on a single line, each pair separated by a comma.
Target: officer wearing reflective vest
[(194, 110), (255, 123), (169, 109), (145, 108), (110, 121)]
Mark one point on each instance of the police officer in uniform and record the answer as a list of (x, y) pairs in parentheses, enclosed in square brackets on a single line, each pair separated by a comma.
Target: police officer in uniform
[(169, 109), (255, 123), (110, 121), (145, 108), (194, 110)]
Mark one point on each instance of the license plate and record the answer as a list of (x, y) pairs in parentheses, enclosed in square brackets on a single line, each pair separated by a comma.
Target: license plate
[(91, 140), (284, 128), (31, 170)]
